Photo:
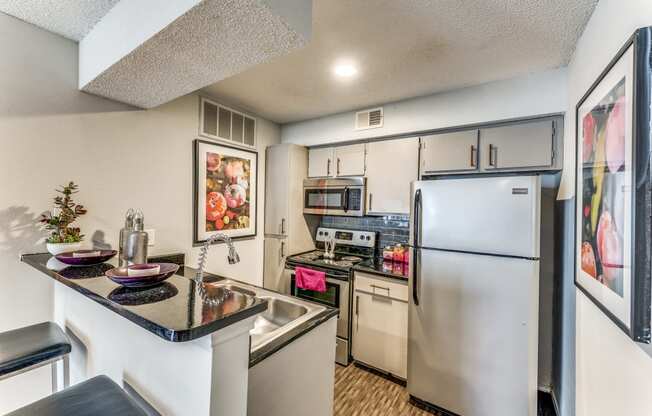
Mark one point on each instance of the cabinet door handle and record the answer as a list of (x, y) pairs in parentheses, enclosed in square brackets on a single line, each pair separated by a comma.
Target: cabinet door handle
[(328, 167), (473, 156), (283, 226), (371, 199), (338, 166), (282, 251), (493, 155), (374, 287), (357, 314)]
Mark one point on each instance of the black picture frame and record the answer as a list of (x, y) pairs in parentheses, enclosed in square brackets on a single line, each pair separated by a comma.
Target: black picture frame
[(197, 240), (638, 327)]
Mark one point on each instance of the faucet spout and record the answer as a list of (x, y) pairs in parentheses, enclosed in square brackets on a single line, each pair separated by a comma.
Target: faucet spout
[(232, 258)]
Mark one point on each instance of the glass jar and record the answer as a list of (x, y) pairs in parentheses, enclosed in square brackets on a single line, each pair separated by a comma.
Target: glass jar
[(388, 253)]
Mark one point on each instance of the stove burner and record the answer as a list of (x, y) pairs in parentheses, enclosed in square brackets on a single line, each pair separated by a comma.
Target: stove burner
[(317, 256), (351, 258)]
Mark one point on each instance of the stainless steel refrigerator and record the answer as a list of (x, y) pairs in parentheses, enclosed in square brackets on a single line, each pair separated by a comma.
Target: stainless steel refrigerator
[(474, 294)]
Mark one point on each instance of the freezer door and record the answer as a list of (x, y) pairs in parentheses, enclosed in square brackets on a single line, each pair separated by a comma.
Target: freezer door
[(472, 343), (495, 215)]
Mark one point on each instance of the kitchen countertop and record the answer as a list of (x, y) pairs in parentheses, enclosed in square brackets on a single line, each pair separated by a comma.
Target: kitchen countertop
[(173, 310), (379, 266), (162, 311)]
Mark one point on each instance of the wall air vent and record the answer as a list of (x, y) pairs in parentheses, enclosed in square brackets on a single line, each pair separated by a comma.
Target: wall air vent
[(219, 122), (369, 119)]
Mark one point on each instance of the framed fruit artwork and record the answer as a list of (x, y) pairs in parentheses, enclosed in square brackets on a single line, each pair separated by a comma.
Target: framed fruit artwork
[(613, 189), (225, 179)]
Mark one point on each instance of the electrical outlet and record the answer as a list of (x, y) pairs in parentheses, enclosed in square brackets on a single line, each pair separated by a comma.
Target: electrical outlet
[(151, 237)]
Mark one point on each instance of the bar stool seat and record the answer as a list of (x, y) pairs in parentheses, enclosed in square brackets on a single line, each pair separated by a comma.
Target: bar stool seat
[(30, 347), (99, 396)]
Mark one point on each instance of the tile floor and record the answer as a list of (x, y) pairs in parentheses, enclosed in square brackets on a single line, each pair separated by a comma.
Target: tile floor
[(361, 393)]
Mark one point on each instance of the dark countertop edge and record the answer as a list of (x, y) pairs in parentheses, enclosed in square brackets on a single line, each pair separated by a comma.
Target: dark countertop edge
[(260, 305), (279, 343), (366, 269)]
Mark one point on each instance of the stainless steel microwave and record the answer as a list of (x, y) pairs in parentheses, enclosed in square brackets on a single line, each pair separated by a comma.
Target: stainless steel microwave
[(336, 196)]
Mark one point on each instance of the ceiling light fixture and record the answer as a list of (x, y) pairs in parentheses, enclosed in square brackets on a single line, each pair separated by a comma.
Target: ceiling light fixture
[(345, 70)]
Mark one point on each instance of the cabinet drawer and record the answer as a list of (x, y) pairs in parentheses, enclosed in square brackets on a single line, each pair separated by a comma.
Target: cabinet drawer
[(378, 285)]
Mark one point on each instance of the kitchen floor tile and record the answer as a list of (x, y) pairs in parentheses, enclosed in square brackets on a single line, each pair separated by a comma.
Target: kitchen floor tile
[(361, 393)]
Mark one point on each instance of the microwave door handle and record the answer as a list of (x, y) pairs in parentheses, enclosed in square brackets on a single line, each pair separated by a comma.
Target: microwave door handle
[(346, 199)]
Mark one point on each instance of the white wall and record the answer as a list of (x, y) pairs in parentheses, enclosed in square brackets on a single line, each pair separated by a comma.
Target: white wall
[(614, 374), (51, 133), (531, 95)]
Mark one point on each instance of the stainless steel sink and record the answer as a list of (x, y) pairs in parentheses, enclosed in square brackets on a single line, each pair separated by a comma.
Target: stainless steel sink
[(279, 313), (282, 315)]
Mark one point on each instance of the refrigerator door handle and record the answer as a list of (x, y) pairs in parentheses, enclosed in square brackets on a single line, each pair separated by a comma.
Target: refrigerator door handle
[(417, 243)]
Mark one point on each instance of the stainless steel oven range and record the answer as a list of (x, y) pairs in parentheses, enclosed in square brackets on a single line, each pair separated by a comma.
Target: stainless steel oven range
[(351, 247)]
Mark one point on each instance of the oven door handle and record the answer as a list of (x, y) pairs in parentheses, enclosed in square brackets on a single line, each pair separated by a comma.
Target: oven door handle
[(346, 199)]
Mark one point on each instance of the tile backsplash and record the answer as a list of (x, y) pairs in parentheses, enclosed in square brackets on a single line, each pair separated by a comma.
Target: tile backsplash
[(392, 229)]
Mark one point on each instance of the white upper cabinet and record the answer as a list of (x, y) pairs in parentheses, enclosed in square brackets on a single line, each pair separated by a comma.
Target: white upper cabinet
[(277, 188), (350, 160), (391, 166), (320, 162), (518, 146), (449, 152), (336, 161)]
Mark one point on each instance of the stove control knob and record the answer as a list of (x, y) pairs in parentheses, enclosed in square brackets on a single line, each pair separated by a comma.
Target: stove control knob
[(362, 237), (321, 233), (368, 238)]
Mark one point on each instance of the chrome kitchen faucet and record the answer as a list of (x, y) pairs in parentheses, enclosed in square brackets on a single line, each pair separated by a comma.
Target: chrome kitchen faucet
[(232, 257)]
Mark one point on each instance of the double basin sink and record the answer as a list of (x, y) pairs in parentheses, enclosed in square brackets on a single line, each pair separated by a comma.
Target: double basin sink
[(283, 313)]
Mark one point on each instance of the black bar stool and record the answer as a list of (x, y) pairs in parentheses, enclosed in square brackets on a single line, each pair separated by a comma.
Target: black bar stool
[(34, 346), (99, 396)]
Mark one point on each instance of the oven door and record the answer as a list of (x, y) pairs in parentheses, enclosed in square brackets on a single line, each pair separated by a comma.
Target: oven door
[(335, 296), (345, 200)]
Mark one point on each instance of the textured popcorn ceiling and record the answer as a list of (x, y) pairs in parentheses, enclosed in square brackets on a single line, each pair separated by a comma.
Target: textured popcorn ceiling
[(72, 19), (408, 48), (214, 40)]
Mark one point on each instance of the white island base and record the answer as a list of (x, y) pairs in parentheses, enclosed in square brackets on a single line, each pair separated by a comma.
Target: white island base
[(205, 376)]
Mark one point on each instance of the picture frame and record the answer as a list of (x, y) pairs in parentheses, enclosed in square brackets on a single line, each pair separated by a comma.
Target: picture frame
[(613, 189), (225, 180)]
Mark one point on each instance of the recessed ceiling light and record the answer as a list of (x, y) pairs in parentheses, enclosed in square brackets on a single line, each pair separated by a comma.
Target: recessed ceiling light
[(345, 70)]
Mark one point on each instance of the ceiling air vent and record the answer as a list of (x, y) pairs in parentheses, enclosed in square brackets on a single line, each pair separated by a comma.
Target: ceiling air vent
[(369, 119)]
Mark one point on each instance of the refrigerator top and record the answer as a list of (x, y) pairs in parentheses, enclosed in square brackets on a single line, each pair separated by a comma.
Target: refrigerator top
[(487, 215)]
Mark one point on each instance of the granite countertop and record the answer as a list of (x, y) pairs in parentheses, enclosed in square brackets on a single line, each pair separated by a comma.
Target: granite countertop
[(173, 310), (379, 266)]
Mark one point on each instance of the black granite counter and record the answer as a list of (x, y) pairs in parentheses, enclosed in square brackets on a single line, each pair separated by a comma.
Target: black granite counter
[(173, 310), (377, 265)]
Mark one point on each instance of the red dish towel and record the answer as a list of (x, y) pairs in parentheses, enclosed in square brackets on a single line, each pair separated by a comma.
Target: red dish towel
[(308, 279)]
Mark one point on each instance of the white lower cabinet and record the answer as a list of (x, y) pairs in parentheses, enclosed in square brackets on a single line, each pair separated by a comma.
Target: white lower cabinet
[(380, 314)]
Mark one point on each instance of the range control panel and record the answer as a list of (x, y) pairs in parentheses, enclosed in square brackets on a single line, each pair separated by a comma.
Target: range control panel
[(347, 237)]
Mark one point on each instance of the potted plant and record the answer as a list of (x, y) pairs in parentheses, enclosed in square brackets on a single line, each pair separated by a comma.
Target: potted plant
[(58, 222)]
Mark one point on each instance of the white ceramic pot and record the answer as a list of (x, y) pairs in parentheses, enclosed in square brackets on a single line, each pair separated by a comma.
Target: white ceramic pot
[(58, 248)]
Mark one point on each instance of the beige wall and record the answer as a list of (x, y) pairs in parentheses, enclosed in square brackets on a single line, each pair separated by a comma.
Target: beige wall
[(50, 133), (614, 374)]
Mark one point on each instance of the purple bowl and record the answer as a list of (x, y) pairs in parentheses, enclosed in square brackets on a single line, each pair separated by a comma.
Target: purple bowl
[(67, 257), (119, 276)]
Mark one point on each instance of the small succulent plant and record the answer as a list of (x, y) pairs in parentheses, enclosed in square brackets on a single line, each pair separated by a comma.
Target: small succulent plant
[(58, 221)]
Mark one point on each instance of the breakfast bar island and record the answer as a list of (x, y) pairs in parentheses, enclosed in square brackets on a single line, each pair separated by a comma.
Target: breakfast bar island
[(181, 354)]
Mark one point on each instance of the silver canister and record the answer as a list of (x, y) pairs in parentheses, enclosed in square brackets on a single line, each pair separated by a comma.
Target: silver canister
[(136, 240), (128, 227)]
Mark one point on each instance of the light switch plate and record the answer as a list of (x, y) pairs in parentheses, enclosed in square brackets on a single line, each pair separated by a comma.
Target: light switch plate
[(151, 237)]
